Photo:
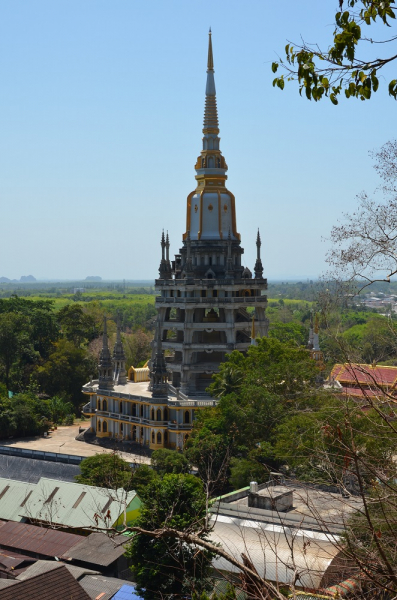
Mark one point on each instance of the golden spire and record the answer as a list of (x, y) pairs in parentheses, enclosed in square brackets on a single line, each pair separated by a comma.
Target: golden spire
[(210, 111), (210, 64)]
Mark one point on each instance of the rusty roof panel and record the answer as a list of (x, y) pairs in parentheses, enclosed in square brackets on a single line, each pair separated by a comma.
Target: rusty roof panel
[(30, 538), (97, 549)]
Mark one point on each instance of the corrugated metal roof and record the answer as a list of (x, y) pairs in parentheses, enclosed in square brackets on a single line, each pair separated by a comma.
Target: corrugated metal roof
[(40, 540), (13, 560), (31, 470), (276, 552), (13, 494), (5, 583), (100, 586), (75, 504), (42, 566), (58, 584), (98, 549)]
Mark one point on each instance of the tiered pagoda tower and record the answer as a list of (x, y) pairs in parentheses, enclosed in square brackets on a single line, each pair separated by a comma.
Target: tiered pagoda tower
[(205, 292)]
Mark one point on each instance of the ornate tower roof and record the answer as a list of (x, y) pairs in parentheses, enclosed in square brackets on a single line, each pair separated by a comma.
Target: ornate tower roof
[(105, 365), (120, 374), (211, 207), (159, 373), (258, 269)]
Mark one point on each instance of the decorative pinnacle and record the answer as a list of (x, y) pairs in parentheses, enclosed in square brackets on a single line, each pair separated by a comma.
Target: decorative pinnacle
[(258, 239), (167, 241), (118, 334), (162, 239), (210, 63)]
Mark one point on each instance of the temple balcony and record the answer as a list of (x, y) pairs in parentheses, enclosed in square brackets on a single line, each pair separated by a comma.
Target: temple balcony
[(206, 326), (252, 283), (88, 410), (210, 302)]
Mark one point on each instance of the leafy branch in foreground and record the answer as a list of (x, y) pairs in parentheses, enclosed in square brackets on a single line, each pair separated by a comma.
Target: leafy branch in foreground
[(341, 68)]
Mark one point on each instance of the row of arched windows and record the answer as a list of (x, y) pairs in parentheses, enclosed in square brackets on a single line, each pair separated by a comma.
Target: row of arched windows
[(156, 415), (102, 403), (102, 426)]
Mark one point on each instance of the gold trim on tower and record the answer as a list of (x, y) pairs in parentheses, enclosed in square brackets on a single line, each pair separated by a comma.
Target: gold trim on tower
[(220, 214)]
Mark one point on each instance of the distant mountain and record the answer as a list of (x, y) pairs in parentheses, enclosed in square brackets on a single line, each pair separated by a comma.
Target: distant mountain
[(27, 279), (4, 280), (93, 278)]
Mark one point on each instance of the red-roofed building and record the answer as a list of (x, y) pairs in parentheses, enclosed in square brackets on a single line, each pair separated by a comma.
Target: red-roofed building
[(364, 381)]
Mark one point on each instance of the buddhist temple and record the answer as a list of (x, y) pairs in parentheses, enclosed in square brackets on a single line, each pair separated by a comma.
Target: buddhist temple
[(208, 305)]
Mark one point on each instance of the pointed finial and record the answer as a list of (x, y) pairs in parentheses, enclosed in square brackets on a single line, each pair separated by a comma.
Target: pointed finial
[(258, 239), (118, 331), (210, 63), (167, 240)]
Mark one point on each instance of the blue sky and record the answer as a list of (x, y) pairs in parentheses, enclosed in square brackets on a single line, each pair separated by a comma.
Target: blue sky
[(101, 108)]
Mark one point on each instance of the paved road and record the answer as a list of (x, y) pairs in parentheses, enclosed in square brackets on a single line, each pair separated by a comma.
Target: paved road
[(63, 441)]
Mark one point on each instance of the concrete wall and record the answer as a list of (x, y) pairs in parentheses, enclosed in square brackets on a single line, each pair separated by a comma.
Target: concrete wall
[(280, 503)]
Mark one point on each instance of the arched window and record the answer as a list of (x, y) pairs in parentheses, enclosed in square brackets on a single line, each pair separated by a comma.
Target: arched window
[(141, 410), (211, 163), (99, 404), (141, 433), (187, 416), (153, 437), (121, 407), (121, 427), (152, 414), (218, 161), (105, 405), (165, 437), (134, 410), (159, 415), (99, 426), (105, 427), (134, 433), (166, 416), (159, 438)]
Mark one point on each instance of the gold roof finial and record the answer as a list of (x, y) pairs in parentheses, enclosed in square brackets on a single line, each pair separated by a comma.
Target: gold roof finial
[(210, 63)]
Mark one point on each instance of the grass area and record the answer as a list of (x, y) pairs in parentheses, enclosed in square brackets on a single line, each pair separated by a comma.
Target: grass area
[(289, 302), (105, 299)]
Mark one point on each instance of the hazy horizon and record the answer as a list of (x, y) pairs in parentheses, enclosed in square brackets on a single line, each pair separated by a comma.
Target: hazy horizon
[(102, 106)]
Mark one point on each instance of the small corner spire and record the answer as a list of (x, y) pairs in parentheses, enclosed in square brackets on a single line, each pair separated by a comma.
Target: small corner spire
[(210, 62), (258, 239)]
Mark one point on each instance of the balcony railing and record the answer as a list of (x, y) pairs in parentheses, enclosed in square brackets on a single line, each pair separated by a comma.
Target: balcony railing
[(217, 300), (206, 282)]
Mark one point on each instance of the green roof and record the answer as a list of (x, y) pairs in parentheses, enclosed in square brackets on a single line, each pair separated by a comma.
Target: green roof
[(66, 504)]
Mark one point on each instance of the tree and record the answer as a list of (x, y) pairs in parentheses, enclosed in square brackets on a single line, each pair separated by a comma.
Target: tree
[(288, 332), (142, 477), (271, 381), (77, 326), (168, 567), (14, 341), (67, 369), (59, 409), (168, 461), (326, 73), (107, 471), (365, 244)]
